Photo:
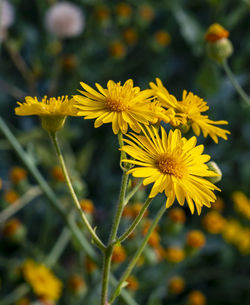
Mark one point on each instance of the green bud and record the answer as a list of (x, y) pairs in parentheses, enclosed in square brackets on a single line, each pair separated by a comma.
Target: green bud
[(52, 123), (215, 168), (220, 49)]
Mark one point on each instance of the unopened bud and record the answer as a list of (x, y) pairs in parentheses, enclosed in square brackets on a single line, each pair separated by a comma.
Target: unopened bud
[(215, 168), (220, 49)]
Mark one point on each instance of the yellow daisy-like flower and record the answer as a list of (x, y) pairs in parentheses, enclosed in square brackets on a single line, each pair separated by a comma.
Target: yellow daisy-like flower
[(60, 106), (42, 280), (120, 105), (216, 32), (174, 164), (52, 111), (188, 112)]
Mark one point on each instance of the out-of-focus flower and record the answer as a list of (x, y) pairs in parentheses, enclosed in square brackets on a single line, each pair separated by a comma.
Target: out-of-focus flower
[(146, 12), (14, 230), (174, 255), (87, 206), (195, 239), (216, 32), (69, 62), (123, 9), (7, 16), (196, 297), (241, 204), (65, 20), (218, 205), (76, 284), (57, 173), (174, 164), (122, 106), (119, 254), (132, 283), (176, 285), (177, 215), (136, 208), (213, 222), (117, 49), (102, 13), (130, 35), (43, 282), (23, 301), (52, 111), (188, 112), (10, 196), (90, 265), (18, 174), (162, 38), (219, 47)]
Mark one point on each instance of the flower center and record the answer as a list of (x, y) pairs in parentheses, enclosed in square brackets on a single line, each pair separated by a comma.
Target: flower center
[(169, 165), (115, 105)]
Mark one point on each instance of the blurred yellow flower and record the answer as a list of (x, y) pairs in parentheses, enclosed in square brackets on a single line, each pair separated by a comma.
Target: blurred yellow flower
[(18, 174), (117, 49), (130, 35), (146, 12), (43, 282), (87, 206), (216, 32), (57, 173), (196, 297), (123, 9), (188, 112), (175, 255), (119, 254), (241, 204), (163, 38), (195, 239), (174, 164), (10, 196), (177, 215), (218, 205), (132, 283), (213, 222), (122, 106), (176, 285)]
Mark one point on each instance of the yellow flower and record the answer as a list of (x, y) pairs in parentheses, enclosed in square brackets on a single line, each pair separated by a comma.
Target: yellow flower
[(42, 280), (117, 49), (163, 38), (130, 35), (175, 255), (18, 174), (11, 196), (196, 297), (52, 111), (241, 204), (195, 239), (176, 285), (132, 283), (123, 9), (177, 215), (120, 105), (87, 206), (213, 222), (188, 112), (216, 32), (119, 254), (174, 164)]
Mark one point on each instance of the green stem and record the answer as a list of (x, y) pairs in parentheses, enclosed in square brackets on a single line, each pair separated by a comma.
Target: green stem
[(132, 192), (112, 237), (136, 256), (135, 222), (235, 83), (15, 295), (96, 239)]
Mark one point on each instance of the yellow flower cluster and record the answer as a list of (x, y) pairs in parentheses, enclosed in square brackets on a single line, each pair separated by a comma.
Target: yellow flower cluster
[(234, 233), (175, 165), (43, 282), (242, 204)]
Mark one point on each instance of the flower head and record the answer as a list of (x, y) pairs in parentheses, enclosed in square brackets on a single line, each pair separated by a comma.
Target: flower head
[(18, 174), (65, 20), (216, 32), (174, 164), (122, 106), (42, 280), (188, 112), (52, 111), (195, 239), (175, 255), (176, 285), (213, 222), (196, 297)]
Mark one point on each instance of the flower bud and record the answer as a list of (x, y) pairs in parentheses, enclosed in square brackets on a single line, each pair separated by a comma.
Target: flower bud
[(14, 230), (220, 50), (52, 123), (215, 168)]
